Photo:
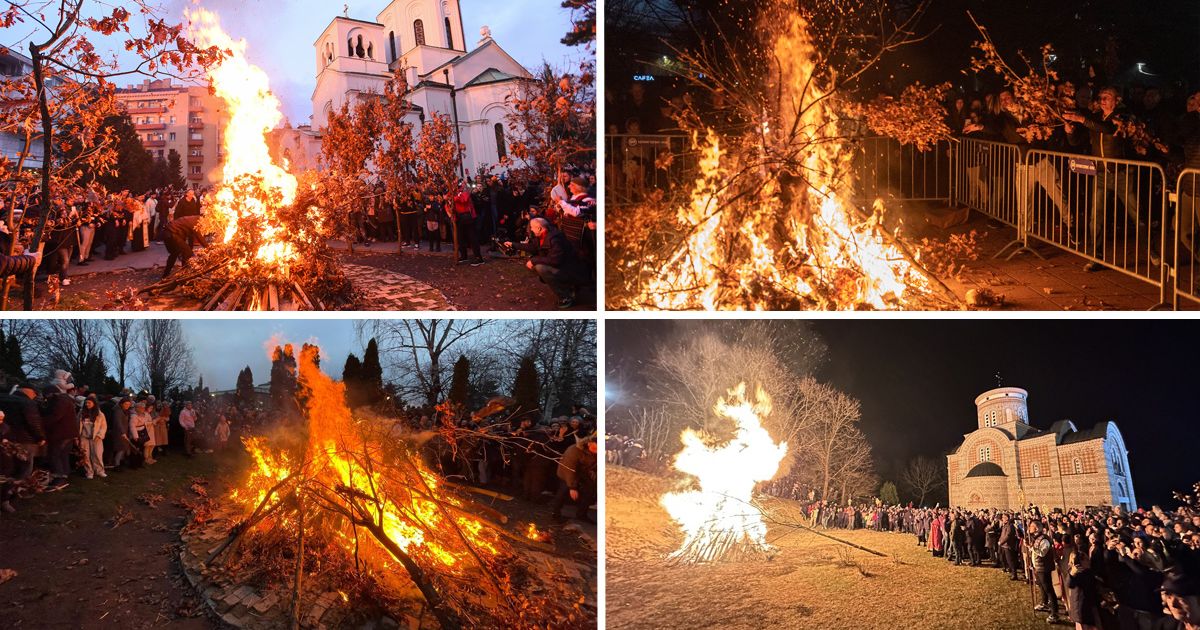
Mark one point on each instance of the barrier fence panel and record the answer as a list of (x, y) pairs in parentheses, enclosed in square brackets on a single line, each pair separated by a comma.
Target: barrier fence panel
[(884, 168), (637, 165), (1187, 236), (1112, 212), (986, 178)]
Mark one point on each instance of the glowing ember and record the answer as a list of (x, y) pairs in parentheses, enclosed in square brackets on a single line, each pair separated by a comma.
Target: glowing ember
[(253, 188), (532, 532), (720, 517), (756, 238)]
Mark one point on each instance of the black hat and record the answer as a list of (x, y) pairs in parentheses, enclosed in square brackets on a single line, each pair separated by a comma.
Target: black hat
[(1180, 584)]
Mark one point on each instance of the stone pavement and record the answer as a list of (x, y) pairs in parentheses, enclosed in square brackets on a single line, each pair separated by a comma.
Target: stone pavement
[(1058, 283), (384, 290), (149, 258)]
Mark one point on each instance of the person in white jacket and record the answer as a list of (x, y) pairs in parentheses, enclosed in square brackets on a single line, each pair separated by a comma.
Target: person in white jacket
[(92, 429), (141, 431)]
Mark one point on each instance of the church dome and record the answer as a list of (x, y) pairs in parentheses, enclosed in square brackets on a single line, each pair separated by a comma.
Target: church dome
[(986, 469)]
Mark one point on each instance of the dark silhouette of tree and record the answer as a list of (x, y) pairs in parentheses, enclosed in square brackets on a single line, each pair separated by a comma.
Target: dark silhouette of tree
[(352, 377), (283, 379), (526, 390), (459, 382), (174, 169), (12, 365), (245, 387), (372, 375)]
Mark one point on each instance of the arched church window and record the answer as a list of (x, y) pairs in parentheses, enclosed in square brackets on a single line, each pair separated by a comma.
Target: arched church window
[(1078, 465), (419, 32), (449, 35), (392, 41), (1037, 470), (359, 51), (370, 50), (501, 150), (349, 46)]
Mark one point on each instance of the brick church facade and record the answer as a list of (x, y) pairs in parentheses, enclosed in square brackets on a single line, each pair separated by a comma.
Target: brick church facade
[(1007, 463)]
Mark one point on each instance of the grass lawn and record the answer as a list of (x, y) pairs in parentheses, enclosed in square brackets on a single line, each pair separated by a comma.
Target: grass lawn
[(812, 582), (75, 569)]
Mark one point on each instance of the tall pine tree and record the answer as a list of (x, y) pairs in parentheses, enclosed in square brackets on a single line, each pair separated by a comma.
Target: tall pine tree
[(526, 390), (372, 375), (245, 387), (352, 377), (12, 365), (459, 384)]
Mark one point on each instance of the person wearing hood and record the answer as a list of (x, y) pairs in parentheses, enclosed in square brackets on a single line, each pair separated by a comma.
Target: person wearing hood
[(118, 445), (92, 428), (62, 427)]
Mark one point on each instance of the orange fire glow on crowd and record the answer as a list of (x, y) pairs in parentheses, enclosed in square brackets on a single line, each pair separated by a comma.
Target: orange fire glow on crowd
[(720, 517)]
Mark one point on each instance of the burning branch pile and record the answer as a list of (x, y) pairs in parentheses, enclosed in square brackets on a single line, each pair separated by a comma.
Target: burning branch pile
[(721, 519), (771, 222), (343, 495), (271, 237)]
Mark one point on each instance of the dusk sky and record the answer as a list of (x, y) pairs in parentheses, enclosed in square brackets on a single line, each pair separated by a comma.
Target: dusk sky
[(281, 36), (917, 381), (223, 347)]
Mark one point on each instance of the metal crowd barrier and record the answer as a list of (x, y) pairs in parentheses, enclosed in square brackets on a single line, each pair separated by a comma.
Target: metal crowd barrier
[(884, 168), (985, 178), (1111, 212), (1186, 275), (638, 165)]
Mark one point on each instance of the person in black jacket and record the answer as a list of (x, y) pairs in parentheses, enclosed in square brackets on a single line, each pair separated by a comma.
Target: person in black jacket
[(62, 429), (24, 420), (187, 206), (554, 260), (178, 237)]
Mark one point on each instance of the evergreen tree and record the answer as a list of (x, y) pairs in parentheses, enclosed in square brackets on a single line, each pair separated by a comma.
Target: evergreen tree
[(283, 378), (372, 375), (352, 377), (526, 390), (458, 385), (12, 365), (134, 170), (175, 169), (245, 387), (888, 494)]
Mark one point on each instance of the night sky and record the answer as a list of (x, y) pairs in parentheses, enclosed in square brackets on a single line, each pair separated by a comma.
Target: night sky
[(918, 379)]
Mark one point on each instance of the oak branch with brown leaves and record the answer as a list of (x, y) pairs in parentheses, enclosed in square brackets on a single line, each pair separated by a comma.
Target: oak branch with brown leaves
[(64, 101)]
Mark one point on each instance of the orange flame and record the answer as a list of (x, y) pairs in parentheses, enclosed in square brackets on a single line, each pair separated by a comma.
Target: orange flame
[(253, 186), (806, 247), (334, 456)]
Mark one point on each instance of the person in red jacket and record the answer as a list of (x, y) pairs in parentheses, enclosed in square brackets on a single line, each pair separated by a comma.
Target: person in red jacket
[(464, 220)]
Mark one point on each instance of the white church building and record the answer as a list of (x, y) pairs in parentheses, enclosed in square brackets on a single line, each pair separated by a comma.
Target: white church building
[(425, 37)]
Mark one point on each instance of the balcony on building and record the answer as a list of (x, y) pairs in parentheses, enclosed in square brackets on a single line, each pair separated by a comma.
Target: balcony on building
[(196, 176), (195, 157), (150, 126), (193, 142), (157, 109), (150, 144)]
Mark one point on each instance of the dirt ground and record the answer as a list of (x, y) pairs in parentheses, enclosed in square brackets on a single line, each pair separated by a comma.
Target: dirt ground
[(812, 582), (76, 570), (502, 284)]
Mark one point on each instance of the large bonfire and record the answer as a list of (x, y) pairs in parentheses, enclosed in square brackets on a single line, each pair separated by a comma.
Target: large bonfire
[(349, 497), (271, 236), (720, 518), (772, 221)]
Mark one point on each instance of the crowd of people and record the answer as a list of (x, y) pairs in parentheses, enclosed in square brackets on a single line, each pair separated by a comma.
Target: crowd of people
[(99, 224), (54, 433), (516, 453), (1110, 568), (556, 231)]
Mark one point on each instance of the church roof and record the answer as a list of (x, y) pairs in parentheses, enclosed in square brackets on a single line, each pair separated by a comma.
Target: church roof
[(1095, 433), (491, 75), (986, 469)]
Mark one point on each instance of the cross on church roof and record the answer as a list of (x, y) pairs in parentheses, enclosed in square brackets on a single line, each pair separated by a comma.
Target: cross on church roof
[(346, 10)]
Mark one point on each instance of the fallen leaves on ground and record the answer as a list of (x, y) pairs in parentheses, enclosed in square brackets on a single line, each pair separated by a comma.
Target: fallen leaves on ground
[(6, 575)]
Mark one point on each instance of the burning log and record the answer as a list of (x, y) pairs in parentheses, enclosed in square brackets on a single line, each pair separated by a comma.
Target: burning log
[(318, 487)]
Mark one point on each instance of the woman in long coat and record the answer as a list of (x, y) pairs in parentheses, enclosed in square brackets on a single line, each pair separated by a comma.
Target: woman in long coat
[(935, 536), (160, 425), (1083, 598)]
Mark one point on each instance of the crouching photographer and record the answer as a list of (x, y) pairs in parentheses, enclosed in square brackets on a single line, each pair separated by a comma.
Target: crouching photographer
[(554, 260)]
